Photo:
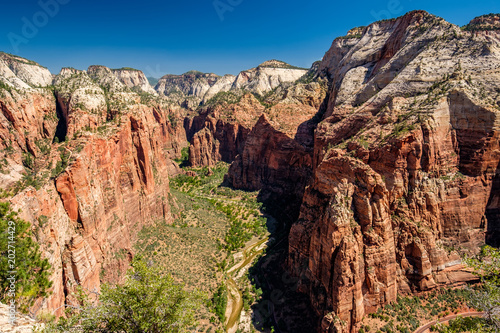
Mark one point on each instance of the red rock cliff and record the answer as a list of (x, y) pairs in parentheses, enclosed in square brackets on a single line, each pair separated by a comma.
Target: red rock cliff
[(405, 166), (87, 214)]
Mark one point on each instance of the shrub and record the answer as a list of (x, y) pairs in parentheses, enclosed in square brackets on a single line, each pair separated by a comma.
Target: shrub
[(21, 254), (147, 302), (219, 302)]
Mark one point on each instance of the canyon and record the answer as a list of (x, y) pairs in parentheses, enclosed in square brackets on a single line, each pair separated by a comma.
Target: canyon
[(381, 163)]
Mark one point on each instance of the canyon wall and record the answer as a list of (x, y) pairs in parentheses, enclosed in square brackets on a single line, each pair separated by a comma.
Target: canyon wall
[(402, 176), (220, 131), (93, 188)]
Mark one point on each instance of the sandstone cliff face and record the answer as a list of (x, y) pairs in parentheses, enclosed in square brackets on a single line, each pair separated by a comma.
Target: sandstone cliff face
[(404, 166), (28, 118), (191, 88), (22, 73), (220, 131), (267, 76), (274, 163), (119, 159)]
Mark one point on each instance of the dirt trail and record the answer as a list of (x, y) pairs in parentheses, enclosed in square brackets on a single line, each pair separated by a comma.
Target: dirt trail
[(426, 327)]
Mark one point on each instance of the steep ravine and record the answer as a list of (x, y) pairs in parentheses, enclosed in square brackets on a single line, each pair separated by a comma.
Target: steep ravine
[(381, 167)]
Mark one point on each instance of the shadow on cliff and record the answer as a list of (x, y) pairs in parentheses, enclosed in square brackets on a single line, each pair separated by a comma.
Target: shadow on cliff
[(493, 212), (282, 308), (62, 126)]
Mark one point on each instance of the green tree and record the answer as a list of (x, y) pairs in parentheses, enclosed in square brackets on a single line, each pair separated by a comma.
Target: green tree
[(486, 298), (148, 302), (20, 254)]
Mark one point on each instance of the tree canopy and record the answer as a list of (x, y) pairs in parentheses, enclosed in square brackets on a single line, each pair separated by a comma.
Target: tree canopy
[(148, 302)]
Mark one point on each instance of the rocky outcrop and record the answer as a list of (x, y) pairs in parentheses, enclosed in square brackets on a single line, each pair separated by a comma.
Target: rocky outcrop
[(134, 78), (219, 133), (267, 76), (191, 88), (490, 22), (403, 176), (24, 324), (275, 164), (28, 118), (18, 72)]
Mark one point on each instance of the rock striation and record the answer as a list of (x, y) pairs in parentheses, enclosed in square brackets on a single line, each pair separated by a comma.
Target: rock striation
[(89, 165), (194, 88), (402, 172), (220, 131), (134, 78)]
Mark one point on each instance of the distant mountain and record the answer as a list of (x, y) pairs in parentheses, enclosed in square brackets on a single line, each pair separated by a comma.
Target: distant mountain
[(194, 88)]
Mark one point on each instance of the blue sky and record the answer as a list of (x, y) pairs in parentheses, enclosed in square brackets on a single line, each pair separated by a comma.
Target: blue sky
[(220, 36)]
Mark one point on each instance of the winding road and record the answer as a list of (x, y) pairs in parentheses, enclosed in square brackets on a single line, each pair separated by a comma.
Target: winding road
[(426, 327)]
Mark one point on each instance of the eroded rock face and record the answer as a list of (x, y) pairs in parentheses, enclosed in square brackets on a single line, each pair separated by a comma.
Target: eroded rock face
[(133, 78), (22, 73), (404, 166), (194, 88), (275, 163), (267, 76), (219, 133), (86, 215), (226, 126)]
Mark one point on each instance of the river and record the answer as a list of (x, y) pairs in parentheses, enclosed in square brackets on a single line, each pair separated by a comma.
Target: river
[(235, 272)]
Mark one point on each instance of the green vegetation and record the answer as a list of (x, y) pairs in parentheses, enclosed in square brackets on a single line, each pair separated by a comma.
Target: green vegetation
[(480, 27), (126, 69), (408, 313), (224, 98), (211, 223), (194, 72), (350, 36), (242, 214), (62, 164), (184, 159), (279, 64), (486, 297), (4, 86), (219, 302), (44, 146), (20, 253), (148, 302), (467, 324), (32, 176), (19, 59), (310, 76)]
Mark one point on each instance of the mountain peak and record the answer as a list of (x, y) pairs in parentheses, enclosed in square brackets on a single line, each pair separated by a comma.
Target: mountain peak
[(484, 23), (277, 64), (11, 57)]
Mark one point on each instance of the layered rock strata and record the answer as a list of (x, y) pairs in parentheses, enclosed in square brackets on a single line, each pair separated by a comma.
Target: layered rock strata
[(89, 166), (404, 169)]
